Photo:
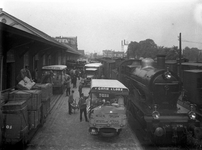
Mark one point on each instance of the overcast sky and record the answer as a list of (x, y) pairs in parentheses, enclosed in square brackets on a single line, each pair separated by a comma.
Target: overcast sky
[(103, 24)]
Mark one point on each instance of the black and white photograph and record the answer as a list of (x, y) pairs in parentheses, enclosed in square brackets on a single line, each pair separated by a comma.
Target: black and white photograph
[(100, 75)]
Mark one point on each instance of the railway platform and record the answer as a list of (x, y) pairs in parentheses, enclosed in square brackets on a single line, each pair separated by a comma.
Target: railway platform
[(62, 131)]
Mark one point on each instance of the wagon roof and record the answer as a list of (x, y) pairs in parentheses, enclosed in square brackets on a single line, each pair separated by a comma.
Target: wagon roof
[(192, 64), (54, 67), (93, 65), (91, 69), (193, 71), (108, 84)]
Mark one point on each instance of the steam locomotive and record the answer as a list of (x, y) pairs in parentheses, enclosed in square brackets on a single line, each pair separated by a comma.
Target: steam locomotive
[(155, 92)]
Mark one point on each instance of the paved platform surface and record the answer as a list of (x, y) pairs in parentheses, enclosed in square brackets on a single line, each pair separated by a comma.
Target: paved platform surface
[(62, 131)]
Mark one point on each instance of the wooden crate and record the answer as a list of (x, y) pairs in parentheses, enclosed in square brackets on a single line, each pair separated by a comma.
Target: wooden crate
[(34, 117), (35, 102), (45, 89), (15, 118), (19, 95), (33, 98)]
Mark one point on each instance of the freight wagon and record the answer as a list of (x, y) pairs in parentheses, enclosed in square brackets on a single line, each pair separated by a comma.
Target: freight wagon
[(54, 74), (23, 111), (191, 76), (92, 71)]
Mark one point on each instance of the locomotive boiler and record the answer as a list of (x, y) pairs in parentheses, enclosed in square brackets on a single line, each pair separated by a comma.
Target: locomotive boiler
[(155, 92)]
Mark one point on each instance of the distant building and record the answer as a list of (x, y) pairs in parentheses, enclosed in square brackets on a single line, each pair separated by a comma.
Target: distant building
[(112, 54), (119, 54), (71, 41), (108, 53)]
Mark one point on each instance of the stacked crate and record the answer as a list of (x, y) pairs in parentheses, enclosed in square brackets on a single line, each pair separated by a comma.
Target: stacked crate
[(15, 118), (46, 97), (46, 90), (33, 99)]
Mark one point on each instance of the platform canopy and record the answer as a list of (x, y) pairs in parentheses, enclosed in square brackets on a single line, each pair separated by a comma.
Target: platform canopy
[(95, 65), (54, 67)]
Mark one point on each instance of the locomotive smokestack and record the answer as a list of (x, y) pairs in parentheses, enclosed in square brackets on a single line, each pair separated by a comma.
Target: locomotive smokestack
[(161, 61)]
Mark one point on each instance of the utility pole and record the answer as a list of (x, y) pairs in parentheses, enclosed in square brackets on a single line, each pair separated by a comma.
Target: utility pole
[(180, 55)]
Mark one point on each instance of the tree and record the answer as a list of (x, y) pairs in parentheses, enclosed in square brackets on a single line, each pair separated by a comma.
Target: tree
[(146, 48), (193, 54)]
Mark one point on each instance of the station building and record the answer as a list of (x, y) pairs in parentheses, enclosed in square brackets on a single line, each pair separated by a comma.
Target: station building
[(23, 44)]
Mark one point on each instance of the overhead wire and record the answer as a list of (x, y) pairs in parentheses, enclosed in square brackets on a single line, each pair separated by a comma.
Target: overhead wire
[(191, 42)]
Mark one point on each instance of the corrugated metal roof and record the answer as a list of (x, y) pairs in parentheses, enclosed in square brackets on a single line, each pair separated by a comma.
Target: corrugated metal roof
[(54, 67)]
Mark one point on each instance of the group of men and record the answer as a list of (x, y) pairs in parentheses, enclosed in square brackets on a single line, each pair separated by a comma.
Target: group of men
[(82, 100)]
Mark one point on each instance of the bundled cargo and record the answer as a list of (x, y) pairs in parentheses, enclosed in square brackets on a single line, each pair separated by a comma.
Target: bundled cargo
[(46, 90), (34, 117), (25, 84), (33, 98), (19, 95), (35, 101), (15, 118), (24, 111)]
